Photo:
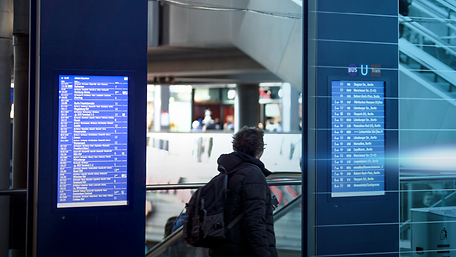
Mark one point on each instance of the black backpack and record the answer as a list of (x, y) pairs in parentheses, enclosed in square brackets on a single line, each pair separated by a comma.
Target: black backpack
[(204, 224)]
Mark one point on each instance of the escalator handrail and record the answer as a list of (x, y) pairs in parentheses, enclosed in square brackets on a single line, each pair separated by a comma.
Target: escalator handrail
[(13, 191), (421, 178), (279, 213), (166, 242), (285, 175), (198, 185), (447, 4), (428, 34), (288, 178), (427, 60), (178, 234), (435, 11)]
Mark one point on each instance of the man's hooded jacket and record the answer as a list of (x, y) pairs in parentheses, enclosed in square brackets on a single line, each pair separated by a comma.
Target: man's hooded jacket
[(248, 193)]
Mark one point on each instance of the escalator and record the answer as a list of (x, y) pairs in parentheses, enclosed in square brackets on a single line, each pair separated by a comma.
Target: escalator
[(427, 43), (287, 224), (427, 76)]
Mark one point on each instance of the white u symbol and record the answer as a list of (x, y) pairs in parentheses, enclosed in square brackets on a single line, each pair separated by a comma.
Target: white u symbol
[(365, 72)]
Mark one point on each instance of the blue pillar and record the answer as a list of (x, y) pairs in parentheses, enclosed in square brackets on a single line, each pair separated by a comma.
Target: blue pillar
[(352, 141), (93, 50)]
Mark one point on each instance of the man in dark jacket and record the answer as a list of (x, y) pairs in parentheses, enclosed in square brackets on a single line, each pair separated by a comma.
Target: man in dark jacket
[(248, 193)]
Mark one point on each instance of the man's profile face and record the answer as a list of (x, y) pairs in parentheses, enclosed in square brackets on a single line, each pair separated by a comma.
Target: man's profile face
[(259, 154)]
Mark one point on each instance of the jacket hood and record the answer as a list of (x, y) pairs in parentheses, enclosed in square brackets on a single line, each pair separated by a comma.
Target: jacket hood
[(233, 160)]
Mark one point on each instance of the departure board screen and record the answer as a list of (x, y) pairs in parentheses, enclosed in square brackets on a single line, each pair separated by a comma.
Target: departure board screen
[(357, 138), (92, 141)]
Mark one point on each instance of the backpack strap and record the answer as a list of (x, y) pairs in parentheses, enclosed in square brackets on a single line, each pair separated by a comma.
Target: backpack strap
[(236, 220)]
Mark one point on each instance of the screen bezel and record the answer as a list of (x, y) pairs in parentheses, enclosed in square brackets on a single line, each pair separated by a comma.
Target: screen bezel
[(130, 140), (386, 195)]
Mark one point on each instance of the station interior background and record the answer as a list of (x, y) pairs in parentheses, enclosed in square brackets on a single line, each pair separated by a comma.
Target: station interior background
[(197, 66), (427, 136), (200, 54)]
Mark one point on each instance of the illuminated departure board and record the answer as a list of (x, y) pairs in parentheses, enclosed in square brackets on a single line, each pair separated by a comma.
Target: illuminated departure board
[(92, 141), (357, 138)]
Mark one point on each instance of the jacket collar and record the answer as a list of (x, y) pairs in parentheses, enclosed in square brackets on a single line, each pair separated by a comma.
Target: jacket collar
[(233, 160)]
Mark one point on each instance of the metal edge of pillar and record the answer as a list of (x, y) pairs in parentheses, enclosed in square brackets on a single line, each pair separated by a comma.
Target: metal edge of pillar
[(20, 127), (309, 133), (6, 34), (19, 134), (21, 66), (32, 183), (18, 211), (304, 125)]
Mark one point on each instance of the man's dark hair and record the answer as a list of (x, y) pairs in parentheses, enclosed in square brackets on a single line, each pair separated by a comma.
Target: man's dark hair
[(249, 140)]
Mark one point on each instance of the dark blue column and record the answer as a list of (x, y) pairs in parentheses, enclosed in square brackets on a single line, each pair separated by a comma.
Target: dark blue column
[(85, 40), (352, 141)]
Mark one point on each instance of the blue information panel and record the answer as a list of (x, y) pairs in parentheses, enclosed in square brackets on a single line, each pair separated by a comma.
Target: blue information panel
[(357, 138), (92, 141)]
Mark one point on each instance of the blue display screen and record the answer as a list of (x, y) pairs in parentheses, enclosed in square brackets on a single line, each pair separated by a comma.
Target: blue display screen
[(92, 141), (357, 138)]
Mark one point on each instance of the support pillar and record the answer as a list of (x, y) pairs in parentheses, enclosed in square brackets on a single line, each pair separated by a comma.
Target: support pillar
[(21, 64), (20, 127), (61, 226), (344, 199), (164, 110), (6, 34), (161, 106), (290, 108), (246, 107)]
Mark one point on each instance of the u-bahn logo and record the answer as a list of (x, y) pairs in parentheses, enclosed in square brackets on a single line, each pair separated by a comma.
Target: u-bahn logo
[(365, 70)]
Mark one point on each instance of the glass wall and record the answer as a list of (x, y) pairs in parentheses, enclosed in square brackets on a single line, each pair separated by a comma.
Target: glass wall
[(209, 54), (427, 127), (191, 155)]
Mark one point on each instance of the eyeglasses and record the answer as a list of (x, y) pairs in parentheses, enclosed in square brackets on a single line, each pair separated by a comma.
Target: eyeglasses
[(264, 146)]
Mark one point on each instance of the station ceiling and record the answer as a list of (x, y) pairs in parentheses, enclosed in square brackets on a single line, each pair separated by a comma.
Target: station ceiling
[(193, 65)]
